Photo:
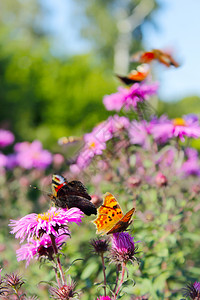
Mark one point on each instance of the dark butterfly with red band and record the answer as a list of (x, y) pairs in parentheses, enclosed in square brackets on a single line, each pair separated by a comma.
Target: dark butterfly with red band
[(71, 194)]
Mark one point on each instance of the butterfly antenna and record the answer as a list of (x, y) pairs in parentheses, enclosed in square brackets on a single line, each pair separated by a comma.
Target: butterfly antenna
[(36, 188)]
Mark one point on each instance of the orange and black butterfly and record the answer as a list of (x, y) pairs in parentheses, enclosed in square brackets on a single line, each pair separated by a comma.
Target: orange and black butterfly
[(155, 54), (137, 75), (110, 218), (71, 194)]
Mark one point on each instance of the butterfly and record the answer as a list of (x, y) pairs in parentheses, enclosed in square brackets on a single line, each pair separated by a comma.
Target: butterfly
[(155, 54), (71, 194), (69, 140), (110, 218), (137, 75)]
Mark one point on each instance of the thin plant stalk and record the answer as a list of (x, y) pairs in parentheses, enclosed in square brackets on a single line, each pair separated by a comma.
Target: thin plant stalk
[(121, 281), (104, 274), (55, 249)]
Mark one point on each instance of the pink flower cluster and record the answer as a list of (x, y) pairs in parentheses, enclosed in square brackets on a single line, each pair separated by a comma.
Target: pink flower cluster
[(95, 142), (39, 229), (29, 155), (129, 97), (163, 129)]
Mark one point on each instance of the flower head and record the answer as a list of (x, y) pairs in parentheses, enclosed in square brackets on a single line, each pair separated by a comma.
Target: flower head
[(192, 291), (31, 155), (34, 225), (100, 245), (129, 97), (42, 247), (104, 298), (14, 281), (64, 292), (165, 129), (123, 248), (6, 138), (161, 179)]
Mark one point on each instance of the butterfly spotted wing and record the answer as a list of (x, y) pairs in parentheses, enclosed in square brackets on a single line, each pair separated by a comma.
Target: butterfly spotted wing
[(71, 194), (137, 75), (110, 218)]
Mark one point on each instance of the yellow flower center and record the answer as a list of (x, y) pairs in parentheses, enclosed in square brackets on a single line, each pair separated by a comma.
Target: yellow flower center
[(179, 122), (46, 217), (92, 145)]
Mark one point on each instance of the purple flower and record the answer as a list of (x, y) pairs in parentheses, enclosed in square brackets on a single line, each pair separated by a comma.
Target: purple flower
[(139, 133), (129, 97), (6, 138), (192, 291), (3, 160), (191, 166), (104, 298), (123, 248), (95, 141), (31, 155), (165, 129), (34, 225), (41, 247)]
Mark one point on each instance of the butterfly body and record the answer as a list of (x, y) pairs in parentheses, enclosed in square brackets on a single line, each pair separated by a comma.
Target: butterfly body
[(110, 218), (137, 75), (71, 194)]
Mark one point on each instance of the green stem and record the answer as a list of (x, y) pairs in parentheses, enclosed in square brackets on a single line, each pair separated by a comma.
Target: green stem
[(55, 249), (104, 273), (121, 281)]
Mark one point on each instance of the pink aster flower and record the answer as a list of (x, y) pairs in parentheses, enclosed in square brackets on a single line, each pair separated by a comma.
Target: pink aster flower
[(32, 155), (123, 247), (3, 160), (41, 247), (104, 298), (34, 225), (129, 97), (191, 166), (6, 138), (165, 129), (139, 133)]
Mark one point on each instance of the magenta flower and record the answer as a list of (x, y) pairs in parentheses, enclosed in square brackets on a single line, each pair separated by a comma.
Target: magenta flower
[(192, 291), (31, 155), (6, 138), (104, 298), (165, 129), (161, 179), (139, 133), (129, 97), (123, 248), (41, 247), (3, 160), (34, 225), (191, 166)]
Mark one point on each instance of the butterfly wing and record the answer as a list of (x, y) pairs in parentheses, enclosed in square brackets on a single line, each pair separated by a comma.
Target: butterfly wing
[(127, 80), (74, 188), (76, 201), (108, 214), (122, 224)]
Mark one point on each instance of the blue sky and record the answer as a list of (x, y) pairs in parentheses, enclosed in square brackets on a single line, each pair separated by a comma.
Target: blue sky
[(179, 29)]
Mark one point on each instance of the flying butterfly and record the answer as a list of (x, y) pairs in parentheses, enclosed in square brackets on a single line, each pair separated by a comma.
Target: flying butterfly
[(71, 194), (69, 140), (110, 218), (155, 54), (137, 75)]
